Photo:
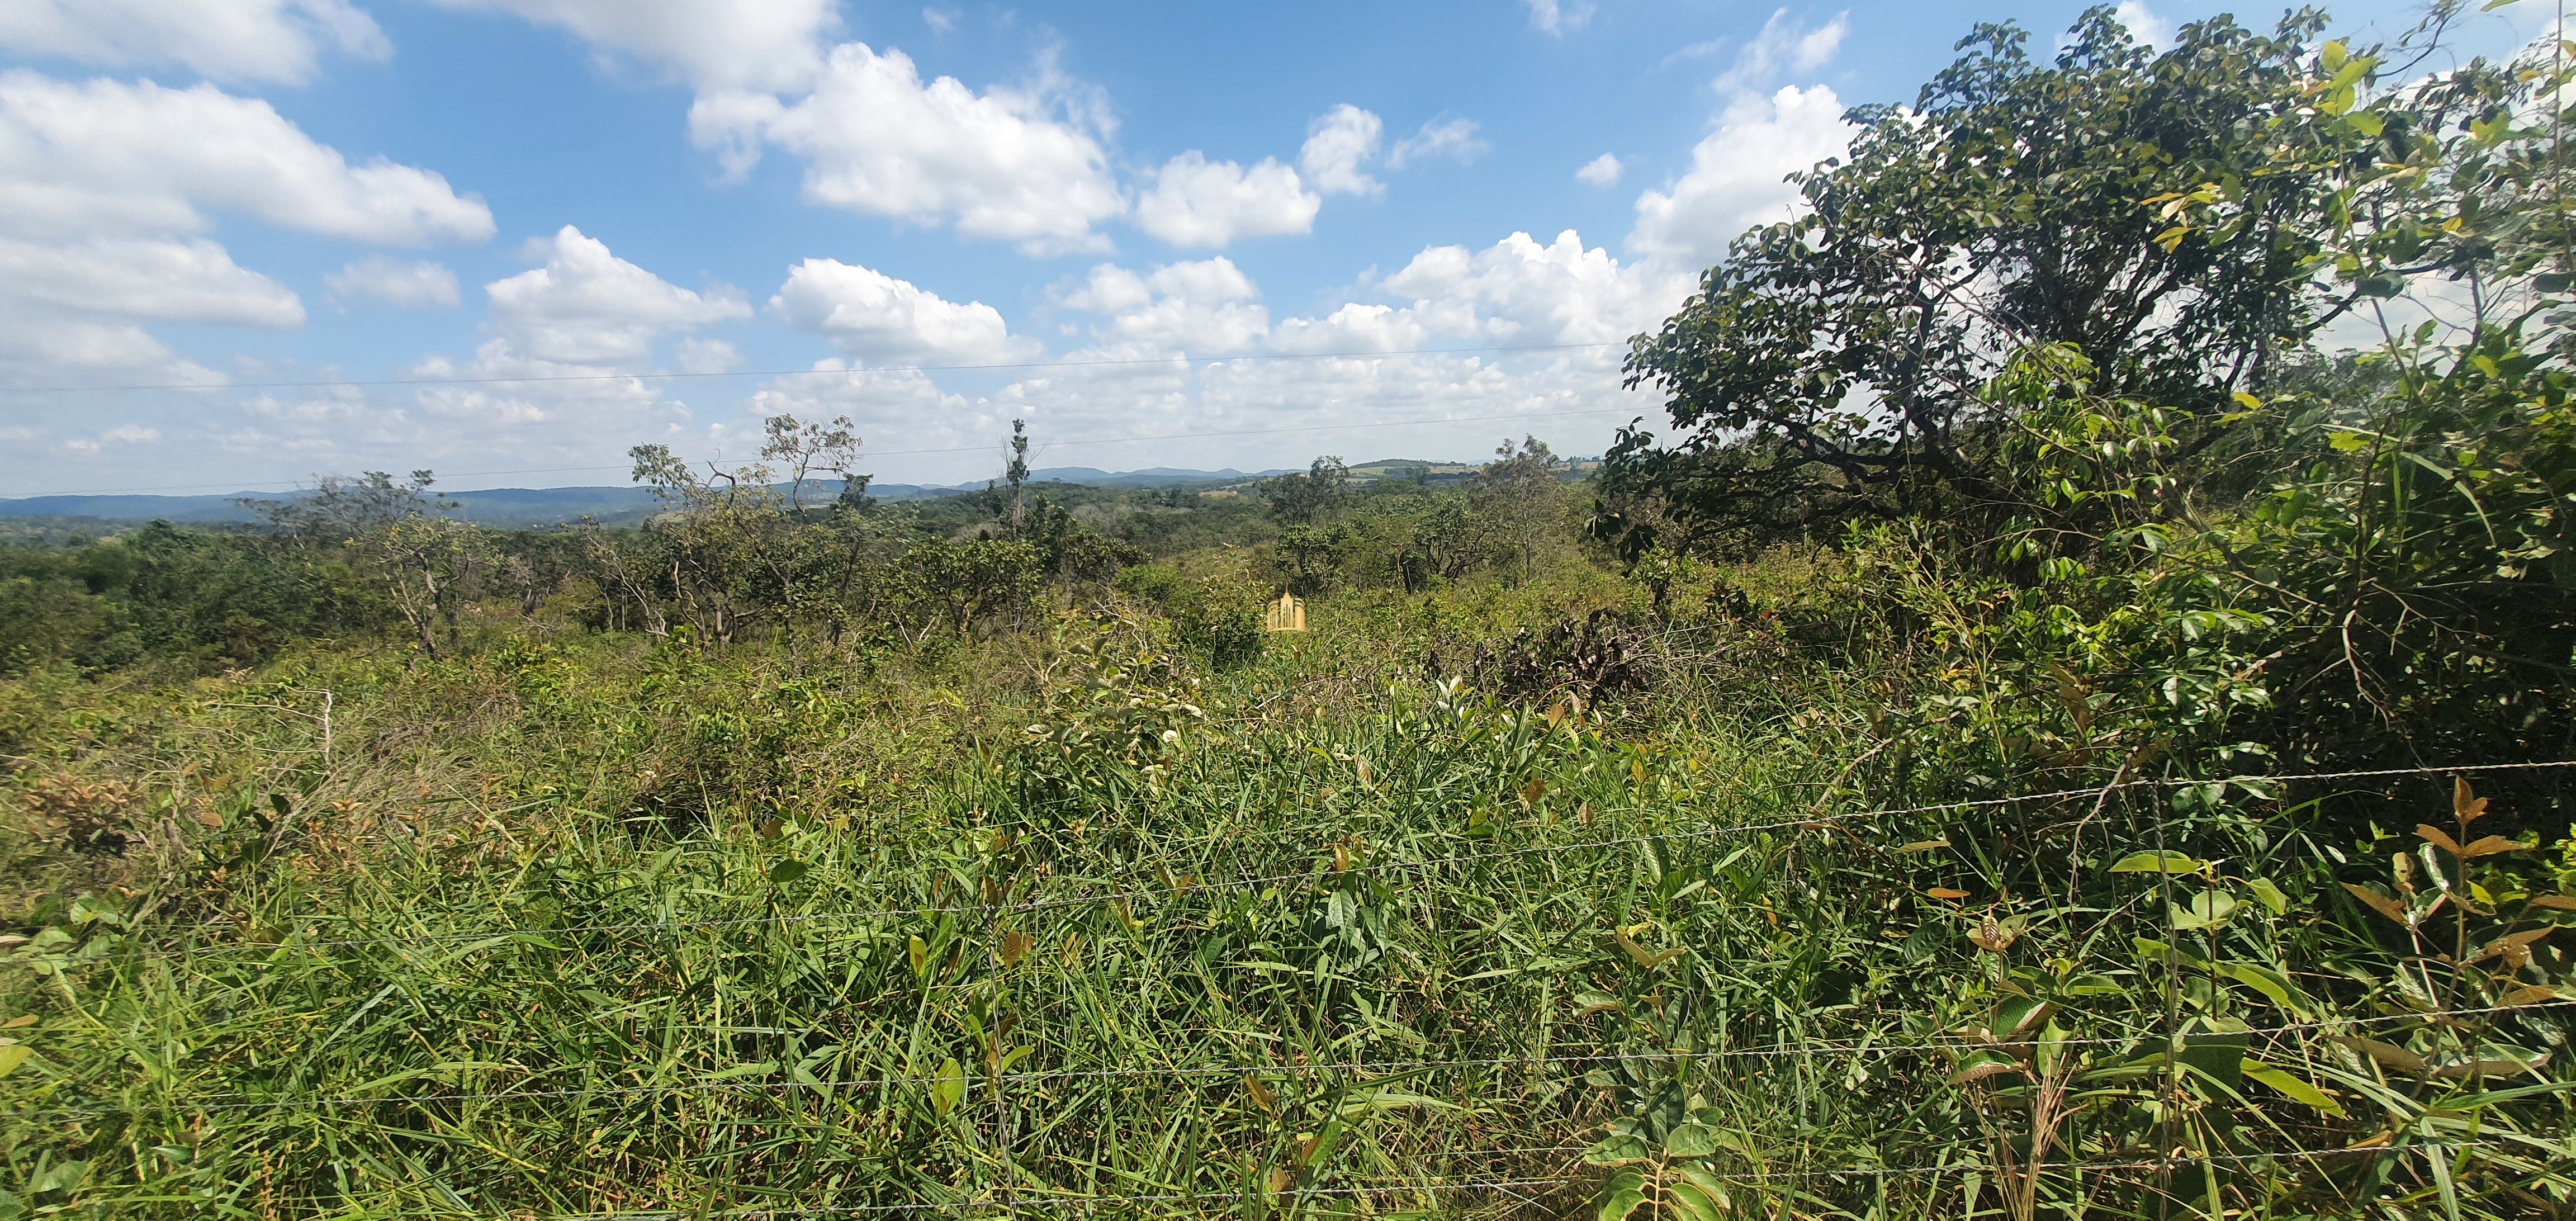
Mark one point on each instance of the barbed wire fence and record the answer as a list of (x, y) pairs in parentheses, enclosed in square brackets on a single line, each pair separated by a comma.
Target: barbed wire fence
[(1017, 1194)]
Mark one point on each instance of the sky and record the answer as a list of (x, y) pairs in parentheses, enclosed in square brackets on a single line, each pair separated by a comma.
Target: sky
[(246, 243)]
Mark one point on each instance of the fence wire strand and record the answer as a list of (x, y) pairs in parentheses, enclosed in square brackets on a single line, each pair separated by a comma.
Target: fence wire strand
[(1319, 873)]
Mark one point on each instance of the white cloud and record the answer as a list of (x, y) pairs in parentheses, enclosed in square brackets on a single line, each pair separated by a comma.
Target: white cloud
[(122, 434), (165, 281), (1783, 46), (105, 191), (940, 20), (2144, 25), (1600, 171), (1452, 138), (1518, 291), (711, 44), (903, 403), (232, 40), (869, 314), (1554, 17), (586, 305), (1735, 179), (1198, 202), (1338, 143), (1200, 306), (108, 157), (1022, 166), (401, 283), (699, 354)]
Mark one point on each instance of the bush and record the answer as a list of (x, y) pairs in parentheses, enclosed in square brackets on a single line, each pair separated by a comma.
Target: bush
[(1218, 616)]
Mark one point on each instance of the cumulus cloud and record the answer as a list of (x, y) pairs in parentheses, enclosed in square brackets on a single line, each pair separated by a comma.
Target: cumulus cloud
[(711, 44), (1600, 171), (1454, 139), (279, 41), (106, 191), (401, 283), (872, 315), (587, 306), (1555, 17), (1198, 202), (1021, 166), (2144, 24), (1521, 292), (122, 434), (1338, 143), (164, 281), (110, 157), (1199, 306), (1783, 46), (1735, 179)]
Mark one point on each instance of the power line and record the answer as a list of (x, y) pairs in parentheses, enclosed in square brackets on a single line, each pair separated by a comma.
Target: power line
[(999, 366), (960, 449)]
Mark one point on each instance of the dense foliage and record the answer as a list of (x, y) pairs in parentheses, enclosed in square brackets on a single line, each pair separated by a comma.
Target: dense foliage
[(2065, 745)]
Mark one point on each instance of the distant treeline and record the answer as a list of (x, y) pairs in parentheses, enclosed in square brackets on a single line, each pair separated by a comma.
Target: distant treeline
[(789, 551)]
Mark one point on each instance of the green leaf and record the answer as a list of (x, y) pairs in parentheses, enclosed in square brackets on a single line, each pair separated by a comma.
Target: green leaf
[(12, 1056), (1622, 1196), (1690, 1140), (949, 1087), (787, 869), (2158, 862), (2269, 896), (2221, 1057), (2272, 984), (1693, 1202), (1615, 1150), (2208, 909)]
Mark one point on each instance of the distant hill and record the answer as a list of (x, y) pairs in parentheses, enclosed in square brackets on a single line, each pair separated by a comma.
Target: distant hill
[(526, 507)]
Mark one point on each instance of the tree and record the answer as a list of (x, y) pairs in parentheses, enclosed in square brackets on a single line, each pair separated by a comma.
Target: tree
[(400, 536), (1311, 497), (803, 449), (1837, 364), (722, 540), (1519, 493)]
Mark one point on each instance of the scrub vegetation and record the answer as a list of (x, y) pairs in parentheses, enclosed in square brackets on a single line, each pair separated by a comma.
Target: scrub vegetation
[(2069, 717)]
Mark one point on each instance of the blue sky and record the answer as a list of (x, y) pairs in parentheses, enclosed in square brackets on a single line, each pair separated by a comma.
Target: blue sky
[(1394, 228)]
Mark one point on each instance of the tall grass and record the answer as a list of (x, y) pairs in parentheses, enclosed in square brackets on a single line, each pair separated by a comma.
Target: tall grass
[(580, 927)]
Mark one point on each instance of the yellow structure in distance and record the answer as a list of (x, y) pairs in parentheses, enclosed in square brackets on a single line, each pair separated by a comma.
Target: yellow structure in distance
[(1288, 614)]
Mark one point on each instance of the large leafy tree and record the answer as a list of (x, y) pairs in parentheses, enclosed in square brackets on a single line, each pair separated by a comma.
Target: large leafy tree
[(1838, 364)]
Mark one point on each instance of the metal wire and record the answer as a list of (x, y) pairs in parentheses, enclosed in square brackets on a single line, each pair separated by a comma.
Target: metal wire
[(1814, 820), (1380, 1068), (1088, 1202)]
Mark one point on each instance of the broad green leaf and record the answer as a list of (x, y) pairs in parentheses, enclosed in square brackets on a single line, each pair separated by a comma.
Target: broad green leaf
[(2274, 986), (1693, 1202), (2208, 909), (2218, 1056), (2293, 1088), (12, 1056), (949, 1087), (2269, 896), (2158, 862), (1621, 1196), (1617, 1150), (786, 869), (1690, 1140)]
